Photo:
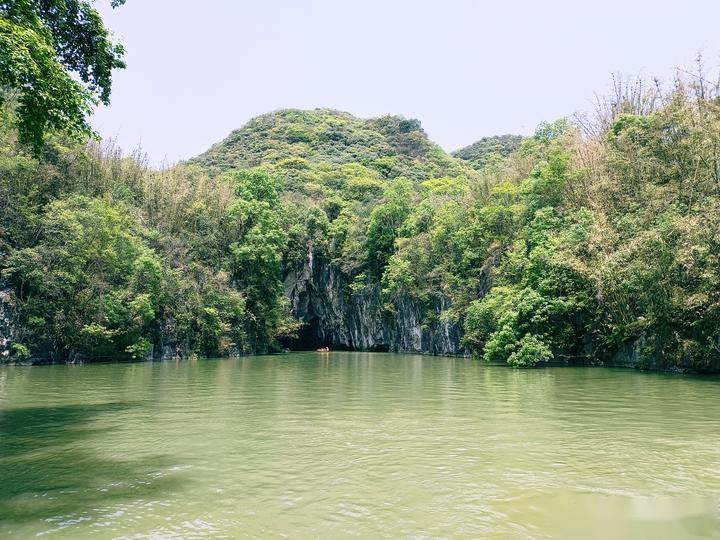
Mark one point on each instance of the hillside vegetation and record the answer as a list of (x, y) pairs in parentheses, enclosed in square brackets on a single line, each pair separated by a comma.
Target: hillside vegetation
[(593, 241), (487, 149)]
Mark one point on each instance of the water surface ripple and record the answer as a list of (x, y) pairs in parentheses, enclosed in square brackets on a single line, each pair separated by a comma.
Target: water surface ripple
[(356, 445)]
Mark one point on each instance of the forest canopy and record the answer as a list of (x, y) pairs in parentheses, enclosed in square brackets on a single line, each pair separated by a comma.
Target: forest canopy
[(594, 240), (56, 63)]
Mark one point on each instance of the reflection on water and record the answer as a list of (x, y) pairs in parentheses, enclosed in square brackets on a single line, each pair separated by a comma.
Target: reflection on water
[(356, 444)]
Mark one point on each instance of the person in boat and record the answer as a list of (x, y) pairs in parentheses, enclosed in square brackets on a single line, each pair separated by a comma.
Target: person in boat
[(323, 349)]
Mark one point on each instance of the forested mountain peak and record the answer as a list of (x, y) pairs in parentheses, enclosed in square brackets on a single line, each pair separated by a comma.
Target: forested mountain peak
[(581, 243), (482, 151), (391, 145)]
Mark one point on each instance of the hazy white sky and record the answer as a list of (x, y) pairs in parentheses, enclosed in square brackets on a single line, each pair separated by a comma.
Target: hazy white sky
[(465, 68)]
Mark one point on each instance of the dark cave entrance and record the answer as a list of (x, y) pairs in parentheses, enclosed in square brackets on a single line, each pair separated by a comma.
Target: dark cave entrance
[(310, 337)]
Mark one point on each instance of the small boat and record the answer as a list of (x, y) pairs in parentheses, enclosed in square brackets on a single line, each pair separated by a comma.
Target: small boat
[(323, 349)]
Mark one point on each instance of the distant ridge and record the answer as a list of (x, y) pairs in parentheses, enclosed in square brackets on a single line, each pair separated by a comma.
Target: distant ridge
[(478, 153)]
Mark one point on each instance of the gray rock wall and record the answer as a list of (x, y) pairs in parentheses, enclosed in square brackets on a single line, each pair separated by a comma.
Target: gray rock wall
[(333, 316), (8, 330)]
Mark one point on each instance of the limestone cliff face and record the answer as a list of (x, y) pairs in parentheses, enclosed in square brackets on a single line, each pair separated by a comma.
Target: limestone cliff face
[(437, 337), (168, 343), (332, 315), (633, 354), (8, 330)]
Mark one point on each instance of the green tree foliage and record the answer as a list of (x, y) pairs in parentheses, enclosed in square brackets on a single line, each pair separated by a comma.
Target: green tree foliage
[(579, 247), (259, 239), (540, 301), (90, 285), (42, 44), (489, 149), (385, 220), (590, 243), (79, 263)]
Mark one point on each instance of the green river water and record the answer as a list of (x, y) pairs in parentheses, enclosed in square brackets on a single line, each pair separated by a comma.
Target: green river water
[(339, 445)]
